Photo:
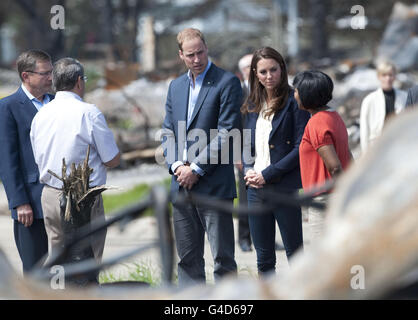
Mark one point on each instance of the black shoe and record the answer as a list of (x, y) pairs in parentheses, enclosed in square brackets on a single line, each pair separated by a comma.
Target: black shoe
[(245, 246)]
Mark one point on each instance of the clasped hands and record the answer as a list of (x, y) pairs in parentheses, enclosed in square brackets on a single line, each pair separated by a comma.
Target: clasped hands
[(254, 179), (185, 177)]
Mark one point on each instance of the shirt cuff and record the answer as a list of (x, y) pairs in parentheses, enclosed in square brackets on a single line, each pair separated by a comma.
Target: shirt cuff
[(175, 165), (197, 169)]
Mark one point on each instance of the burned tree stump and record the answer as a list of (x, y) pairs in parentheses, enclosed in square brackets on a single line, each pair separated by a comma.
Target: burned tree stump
[(76, 204)]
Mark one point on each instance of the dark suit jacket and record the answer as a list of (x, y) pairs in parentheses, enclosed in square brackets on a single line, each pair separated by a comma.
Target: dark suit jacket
[(218, 107), (412, 98), (288, 126), (18, 170)]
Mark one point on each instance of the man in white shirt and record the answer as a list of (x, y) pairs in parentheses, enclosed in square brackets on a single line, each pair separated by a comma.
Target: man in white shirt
[(64, 128)]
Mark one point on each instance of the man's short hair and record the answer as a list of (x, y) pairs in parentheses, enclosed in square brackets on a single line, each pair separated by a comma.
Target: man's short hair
[(385, 66), (314, 88), (66, 73), (189, 33), (27, 60)]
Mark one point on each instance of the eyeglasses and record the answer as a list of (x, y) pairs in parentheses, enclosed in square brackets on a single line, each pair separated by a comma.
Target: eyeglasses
[(43, 74), (84, 78)]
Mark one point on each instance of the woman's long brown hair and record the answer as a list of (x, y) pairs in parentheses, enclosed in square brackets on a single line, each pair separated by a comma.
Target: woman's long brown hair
[(258, 93)]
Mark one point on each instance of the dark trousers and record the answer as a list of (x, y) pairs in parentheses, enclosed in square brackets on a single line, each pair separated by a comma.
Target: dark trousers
[(190, 224), (263, 230), (243, 226), (31, 242)]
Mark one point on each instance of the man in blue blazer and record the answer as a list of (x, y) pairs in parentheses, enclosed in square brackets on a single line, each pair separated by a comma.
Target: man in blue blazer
[(412, 97), (202, 109), (18, 170)]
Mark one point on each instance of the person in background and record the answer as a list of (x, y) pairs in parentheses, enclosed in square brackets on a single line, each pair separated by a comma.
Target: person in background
[(244, 66), (379, 105), (244, 236), (324, 152), (64, 129), (412, 97), (18, 170), (276, 124)]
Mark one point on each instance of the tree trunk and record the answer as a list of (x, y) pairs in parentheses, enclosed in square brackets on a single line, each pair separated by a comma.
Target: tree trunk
[(319, 9)]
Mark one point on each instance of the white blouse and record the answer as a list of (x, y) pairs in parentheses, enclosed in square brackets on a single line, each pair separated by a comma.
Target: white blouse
[(262, 134)]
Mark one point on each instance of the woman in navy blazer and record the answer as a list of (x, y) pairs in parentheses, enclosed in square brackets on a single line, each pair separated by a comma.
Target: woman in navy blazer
[(276, 125)]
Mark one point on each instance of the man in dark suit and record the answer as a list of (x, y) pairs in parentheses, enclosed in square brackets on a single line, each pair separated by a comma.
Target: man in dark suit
[(244, 236), (203, 100), (18, 170), (412, 98)]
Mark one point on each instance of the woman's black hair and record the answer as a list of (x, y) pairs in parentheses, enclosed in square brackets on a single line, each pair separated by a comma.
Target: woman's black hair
[(314, 88)]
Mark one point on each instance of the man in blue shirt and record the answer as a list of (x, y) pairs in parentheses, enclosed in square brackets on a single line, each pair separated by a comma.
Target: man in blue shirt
[(204, 99), (18, 170)]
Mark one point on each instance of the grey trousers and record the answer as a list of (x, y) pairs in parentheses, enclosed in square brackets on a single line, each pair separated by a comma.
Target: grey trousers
[(51, 209), (316, 218), (190, 224)]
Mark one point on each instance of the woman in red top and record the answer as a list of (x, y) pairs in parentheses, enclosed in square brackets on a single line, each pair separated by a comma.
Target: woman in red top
[(323, 151)]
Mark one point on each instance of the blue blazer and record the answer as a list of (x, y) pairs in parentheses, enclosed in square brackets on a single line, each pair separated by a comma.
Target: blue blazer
[(218, 107), (287, 130), (18, 170)]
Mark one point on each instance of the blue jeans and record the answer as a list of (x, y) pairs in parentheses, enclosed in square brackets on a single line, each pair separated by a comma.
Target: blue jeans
[(263, 229)]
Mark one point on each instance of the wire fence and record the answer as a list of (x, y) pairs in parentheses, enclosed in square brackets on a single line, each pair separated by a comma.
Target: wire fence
[(159, 200)]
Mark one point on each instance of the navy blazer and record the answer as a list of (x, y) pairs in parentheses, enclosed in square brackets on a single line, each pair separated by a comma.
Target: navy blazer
[(288, 125), (18, 170), (217, 107)]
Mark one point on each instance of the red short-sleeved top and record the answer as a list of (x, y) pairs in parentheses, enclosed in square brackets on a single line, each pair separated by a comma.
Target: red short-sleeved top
[(323, 128)]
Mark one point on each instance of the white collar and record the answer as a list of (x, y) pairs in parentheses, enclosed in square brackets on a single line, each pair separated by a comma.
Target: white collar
[(28, 94), (67, 95), (202, 75)]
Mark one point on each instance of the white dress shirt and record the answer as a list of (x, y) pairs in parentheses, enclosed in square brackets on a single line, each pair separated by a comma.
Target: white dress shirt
[(63, 129), (262, 134)]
